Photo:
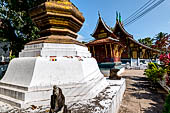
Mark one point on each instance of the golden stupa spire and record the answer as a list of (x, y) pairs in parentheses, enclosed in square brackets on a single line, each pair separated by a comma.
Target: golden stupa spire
[(58, 20)]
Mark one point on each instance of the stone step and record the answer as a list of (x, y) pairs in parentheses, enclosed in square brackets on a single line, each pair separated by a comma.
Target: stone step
[(25, 88), (12, 101), (12, 92)]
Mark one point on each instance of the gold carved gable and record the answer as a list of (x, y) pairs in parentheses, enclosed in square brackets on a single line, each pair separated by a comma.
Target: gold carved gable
[(102, 35)]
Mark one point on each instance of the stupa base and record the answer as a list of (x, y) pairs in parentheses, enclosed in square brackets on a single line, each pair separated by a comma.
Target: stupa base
[(29, 80), (54, 49), (107, 101)]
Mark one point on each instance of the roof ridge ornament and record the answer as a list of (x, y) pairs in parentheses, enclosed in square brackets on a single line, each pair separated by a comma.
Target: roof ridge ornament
[(99, 13), (117, 17), (120, 18)]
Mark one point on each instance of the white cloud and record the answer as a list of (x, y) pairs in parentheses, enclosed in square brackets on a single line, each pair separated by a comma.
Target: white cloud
[(80, 38)]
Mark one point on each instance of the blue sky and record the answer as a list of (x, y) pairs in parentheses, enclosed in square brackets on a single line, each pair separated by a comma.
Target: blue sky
[(158, 20)]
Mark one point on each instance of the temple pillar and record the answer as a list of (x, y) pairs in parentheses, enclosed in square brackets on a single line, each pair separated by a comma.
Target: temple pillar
[(143, 54), (120, 54), (138, 57), (131, 62), (149, 52), (89, 48), (148, 55), (94, 51), (111, 50), (106, 49)]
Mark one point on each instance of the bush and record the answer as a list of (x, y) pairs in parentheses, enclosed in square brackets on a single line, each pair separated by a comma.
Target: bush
[(167, 105), (154, 73), (152, 65)]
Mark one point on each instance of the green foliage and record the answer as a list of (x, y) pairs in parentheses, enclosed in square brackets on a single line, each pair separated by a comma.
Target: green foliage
[(12, 56), (152, 65), (167, 105), (83, 42), (16, 26), (160, 36), (168, 70), (162, 41), (146, 41), (154, 73)]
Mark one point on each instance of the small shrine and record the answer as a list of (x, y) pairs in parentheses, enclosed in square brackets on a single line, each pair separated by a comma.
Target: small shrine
[(115, 44), (106, 47)]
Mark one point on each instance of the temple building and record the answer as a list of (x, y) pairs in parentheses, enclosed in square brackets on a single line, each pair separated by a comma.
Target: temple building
[(117, 45)]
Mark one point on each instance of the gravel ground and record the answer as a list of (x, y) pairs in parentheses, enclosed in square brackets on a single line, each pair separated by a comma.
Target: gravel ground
[(6, 108), (139, 97)]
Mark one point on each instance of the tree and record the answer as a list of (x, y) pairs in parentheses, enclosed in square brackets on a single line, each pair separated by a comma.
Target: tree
[(162, 41), (16, 27), (160, 36), (146, 41)]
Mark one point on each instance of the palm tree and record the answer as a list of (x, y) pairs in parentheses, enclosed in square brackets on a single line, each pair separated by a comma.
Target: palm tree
[(161, 41), (160, 36)]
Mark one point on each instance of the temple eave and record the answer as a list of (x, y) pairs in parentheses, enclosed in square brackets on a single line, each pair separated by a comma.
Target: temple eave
[(103, 41)]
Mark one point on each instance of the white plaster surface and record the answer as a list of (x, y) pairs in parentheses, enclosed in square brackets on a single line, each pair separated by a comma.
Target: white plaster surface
[(29, 80), (121, 71), (107, 101), (52, 49)]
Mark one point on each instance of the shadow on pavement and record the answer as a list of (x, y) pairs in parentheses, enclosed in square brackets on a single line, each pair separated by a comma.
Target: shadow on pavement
[(146, 92)]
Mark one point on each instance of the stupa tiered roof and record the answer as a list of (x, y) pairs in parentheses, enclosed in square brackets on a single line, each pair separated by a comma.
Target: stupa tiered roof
[(59, 22)]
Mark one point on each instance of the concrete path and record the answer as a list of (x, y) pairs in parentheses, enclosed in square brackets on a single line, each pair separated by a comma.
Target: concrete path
[(139, 97)]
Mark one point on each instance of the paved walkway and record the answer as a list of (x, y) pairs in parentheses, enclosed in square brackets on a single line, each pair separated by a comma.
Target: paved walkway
[(139, 96)]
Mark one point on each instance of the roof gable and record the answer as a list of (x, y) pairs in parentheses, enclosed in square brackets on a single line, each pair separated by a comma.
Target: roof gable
[(101, 30), (119, 27)]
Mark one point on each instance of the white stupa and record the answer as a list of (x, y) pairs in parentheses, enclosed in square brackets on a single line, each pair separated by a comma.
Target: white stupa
[(56, 58)]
